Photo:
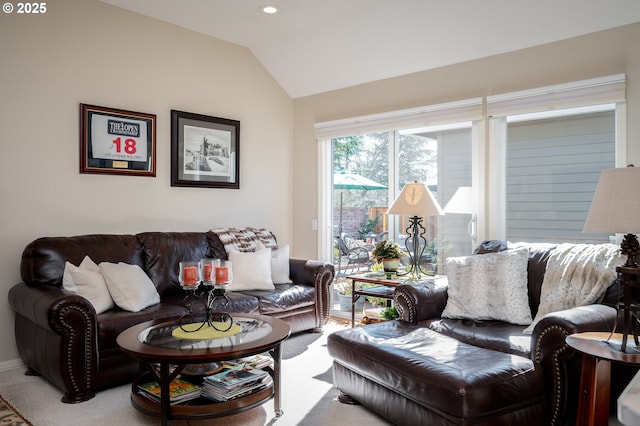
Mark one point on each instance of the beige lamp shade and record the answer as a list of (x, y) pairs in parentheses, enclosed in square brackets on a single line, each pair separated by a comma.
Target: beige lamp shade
[(616, 203), (415, 199), (461, 202)]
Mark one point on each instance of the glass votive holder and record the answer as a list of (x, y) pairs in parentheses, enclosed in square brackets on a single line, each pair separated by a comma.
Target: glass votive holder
[(223, 273), (207, 271), (189, 275)]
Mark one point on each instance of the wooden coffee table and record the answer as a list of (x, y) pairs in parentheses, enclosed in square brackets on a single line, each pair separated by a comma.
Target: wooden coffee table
[(153, 342)]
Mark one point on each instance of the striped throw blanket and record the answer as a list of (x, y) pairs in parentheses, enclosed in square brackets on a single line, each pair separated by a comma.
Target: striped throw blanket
[(245, 239)]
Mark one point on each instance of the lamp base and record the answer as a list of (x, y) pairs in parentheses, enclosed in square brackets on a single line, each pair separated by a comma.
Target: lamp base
[(631, 248), (415, 244), (628, 287)]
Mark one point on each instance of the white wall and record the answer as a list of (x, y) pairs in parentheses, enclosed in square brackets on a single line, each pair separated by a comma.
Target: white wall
[(594, 55), (90, 52)]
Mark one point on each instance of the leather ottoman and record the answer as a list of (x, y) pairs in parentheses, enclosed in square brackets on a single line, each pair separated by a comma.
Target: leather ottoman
[(412, 375)]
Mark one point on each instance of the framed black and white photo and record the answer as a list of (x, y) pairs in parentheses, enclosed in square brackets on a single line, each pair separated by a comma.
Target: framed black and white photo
[(205, 151), (117, 141)]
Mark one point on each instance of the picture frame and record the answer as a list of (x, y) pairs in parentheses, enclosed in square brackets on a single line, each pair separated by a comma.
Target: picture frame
[(117, 141), (205, 151)]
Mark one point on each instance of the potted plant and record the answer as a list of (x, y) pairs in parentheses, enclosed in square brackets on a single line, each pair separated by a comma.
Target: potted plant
[(390, 313), (343, 287), (389, 253)]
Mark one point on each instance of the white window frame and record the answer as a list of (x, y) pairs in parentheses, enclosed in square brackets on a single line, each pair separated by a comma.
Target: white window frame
[(488, 116), (585, 93)]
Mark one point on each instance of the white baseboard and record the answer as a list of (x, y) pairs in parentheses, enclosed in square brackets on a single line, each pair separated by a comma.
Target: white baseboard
[(11, 364)]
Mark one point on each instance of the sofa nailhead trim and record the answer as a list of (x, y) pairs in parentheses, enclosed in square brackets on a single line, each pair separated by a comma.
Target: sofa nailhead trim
[(326, 276), (556, 368), (87, 344), (410, 305)]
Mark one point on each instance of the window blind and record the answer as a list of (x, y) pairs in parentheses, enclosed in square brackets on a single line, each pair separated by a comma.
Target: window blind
[(464, 110), (552, 170), (594, 91)]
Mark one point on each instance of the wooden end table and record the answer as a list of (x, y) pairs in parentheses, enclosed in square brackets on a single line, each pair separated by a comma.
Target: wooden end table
[(153, 342), (595, 378)]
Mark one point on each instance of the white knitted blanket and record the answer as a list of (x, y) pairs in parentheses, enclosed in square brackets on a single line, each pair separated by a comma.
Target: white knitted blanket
[(576, 275)]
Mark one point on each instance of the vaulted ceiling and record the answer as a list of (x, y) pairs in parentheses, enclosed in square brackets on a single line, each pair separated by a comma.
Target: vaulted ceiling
[(314, 46)]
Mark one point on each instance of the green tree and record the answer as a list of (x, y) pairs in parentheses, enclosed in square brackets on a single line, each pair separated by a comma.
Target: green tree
[(416, 160), (345, 150)]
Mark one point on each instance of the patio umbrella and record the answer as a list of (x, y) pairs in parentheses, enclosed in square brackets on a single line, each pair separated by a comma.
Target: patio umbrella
[(352, 181), (355, 181)]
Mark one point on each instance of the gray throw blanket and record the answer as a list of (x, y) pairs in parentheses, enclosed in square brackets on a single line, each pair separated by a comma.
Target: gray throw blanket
[(577, 275)]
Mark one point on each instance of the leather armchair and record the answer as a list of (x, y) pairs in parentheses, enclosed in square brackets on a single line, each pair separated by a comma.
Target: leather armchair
[(423, 304)]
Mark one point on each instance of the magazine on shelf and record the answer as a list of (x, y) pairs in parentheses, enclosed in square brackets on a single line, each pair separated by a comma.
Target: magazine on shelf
[(219, 393), (235, 376), (258, 361), (235, 380), (179, 391)]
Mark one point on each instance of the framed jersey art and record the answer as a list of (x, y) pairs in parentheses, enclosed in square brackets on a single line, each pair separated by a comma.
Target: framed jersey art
[(117, 141)]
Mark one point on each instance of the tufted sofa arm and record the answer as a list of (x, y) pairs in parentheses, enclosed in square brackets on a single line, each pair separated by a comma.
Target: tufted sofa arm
[(320, 275), (420, 301), (53, 317), (559, 361)]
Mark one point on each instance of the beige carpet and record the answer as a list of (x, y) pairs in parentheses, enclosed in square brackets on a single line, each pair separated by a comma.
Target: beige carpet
[(308, 396)]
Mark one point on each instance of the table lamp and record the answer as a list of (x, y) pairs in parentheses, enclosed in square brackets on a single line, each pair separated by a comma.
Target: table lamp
[(616, 209), (462, 202), (416, 201)]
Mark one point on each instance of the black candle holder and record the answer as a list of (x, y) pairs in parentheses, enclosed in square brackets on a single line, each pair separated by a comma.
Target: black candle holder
[(209, 297)]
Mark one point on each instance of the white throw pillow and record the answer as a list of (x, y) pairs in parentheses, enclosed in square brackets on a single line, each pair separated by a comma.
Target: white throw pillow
[(67, 280), (130, 287), (86, 281), (279, 264), (251, 271), (88, 264), (489, 286)]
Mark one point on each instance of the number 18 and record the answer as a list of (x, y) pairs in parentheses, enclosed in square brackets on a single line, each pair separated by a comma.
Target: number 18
[(129, 145)]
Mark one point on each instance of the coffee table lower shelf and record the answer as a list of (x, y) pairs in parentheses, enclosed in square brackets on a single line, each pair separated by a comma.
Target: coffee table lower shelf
[(202, 407)]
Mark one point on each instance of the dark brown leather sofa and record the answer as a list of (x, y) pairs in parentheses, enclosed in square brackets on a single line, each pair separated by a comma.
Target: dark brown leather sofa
[(60, 337), (425, 369)]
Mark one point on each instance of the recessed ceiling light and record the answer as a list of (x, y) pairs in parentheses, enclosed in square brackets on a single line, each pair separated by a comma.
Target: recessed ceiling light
[(270, 9)]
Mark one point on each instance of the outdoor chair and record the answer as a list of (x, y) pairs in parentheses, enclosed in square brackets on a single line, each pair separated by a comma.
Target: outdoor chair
[(382, 236), (353, 256)]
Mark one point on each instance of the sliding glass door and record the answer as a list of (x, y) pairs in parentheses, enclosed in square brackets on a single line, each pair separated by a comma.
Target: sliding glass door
[(527, 163)]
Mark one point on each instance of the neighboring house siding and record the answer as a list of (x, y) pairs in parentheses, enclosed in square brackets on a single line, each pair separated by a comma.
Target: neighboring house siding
[(553, 167), (454, 149)]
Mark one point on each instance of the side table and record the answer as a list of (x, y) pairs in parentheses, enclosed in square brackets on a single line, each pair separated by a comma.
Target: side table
[(595, 377), (384, 288)]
